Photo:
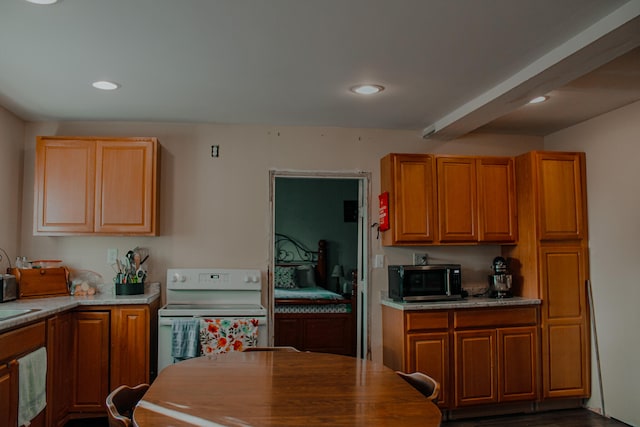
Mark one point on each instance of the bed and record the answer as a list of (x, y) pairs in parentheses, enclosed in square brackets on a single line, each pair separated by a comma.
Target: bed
[(307, 314)]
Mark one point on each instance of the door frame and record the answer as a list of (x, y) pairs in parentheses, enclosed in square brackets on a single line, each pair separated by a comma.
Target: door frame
[(364, 199)]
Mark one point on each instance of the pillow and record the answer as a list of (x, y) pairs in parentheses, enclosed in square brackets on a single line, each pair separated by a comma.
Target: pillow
[(306, 276), (285, 277)]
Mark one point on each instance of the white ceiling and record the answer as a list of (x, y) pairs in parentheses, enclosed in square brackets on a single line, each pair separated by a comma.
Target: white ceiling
[(449, 65)]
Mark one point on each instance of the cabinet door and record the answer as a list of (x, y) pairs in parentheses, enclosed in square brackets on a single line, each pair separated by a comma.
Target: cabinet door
[(409, 179), (565, 346), (497, 220), (59, 380), (517, 362), (475, 371), (91, 361), (9, 394), (457, 199), (64, 186), (129, 345), (126, 186), (561, 199), (429, 353)]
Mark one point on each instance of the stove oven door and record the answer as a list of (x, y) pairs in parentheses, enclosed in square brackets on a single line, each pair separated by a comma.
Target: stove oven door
[(165, 336)]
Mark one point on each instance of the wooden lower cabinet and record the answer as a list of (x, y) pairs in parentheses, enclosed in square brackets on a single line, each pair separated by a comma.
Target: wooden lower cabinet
[(14, 345), (482, 356), (59, 382), (130, 346), (111, 346), (475, 367), (517, 363), (90, 351), (9, 394), (429, 353), (91, 361)]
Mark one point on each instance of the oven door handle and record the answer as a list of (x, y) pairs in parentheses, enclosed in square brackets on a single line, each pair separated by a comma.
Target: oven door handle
[(168, 321)]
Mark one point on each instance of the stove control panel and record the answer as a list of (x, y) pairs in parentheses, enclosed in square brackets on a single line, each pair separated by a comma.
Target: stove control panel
[(184, 279)]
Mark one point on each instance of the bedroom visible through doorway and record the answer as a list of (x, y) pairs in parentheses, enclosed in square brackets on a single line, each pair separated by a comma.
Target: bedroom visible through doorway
[(318, 283)]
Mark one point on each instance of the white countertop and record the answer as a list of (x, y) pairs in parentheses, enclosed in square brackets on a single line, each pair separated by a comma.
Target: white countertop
[(469, 302), (49, 306)]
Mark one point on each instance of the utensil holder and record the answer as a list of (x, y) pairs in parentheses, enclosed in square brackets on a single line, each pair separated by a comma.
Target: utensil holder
[(129, 288)]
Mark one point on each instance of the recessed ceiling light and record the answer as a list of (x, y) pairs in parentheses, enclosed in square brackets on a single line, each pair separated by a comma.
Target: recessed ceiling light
[(105, 85), (43, 1), (366, 89), (538, 99)]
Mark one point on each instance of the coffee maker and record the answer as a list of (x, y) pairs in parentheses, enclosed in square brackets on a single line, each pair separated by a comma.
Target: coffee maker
[(500, 280)]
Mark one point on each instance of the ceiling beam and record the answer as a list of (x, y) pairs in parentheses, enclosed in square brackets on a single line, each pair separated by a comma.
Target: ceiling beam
[(612, 36)]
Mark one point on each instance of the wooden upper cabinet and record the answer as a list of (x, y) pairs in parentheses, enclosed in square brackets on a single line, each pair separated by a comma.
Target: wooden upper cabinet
[(476, 199), (561, 197), (409, 179), (457, 199), (65, 186), (95, 186), (126, 186), (497, 210)]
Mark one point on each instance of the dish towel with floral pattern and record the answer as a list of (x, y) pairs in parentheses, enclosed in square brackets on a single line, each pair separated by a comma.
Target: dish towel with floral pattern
[(227, 334)]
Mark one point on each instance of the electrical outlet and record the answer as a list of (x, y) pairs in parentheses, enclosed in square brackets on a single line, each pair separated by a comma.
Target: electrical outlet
[(420, 258), (112, 255)]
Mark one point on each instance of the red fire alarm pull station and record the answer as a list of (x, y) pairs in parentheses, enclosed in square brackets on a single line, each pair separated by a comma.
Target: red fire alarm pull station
[(384, 211)]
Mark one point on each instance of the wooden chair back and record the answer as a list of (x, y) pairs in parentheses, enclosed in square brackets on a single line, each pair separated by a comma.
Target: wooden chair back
[(121, 402), (426, 385)]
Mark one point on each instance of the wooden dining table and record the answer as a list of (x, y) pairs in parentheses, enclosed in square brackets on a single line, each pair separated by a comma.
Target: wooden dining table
[(275, 388)]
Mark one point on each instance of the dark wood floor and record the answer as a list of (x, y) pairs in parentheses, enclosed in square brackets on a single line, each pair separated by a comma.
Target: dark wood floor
[(91, 422), (563, 418)]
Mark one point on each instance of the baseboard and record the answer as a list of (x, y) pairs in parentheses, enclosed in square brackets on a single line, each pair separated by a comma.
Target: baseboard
[(489, 410), (511, 409)]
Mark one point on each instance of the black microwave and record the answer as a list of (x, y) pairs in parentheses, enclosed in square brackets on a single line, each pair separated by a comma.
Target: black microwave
[(434, 282)]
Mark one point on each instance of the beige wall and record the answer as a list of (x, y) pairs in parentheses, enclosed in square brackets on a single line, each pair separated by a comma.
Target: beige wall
[(612, 146), (215, 212), (11, 161)]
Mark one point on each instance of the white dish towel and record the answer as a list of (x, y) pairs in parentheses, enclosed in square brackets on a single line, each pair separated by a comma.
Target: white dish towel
[(32, 380)]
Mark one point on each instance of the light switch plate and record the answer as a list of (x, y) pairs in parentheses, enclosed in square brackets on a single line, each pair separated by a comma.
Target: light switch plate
[(378, 261)]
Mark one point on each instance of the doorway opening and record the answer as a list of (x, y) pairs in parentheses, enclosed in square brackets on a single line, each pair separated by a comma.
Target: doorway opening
[(319, 219)]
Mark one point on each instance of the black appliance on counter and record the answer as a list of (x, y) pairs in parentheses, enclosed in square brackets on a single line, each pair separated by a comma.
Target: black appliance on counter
[(432, 282), (501, 279)]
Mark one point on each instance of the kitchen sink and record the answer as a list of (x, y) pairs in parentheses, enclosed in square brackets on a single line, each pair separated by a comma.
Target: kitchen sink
[(9, 313)]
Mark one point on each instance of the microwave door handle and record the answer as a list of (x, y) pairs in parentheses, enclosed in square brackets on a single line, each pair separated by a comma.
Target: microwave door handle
[(447, 284)]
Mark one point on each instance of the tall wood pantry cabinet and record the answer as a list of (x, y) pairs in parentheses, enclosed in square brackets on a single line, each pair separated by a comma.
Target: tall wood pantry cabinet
[(449, 199), (551, 263), (97, 185)]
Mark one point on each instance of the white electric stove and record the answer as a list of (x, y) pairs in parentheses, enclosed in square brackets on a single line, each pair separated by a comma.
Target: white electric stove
[(210, 293)]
